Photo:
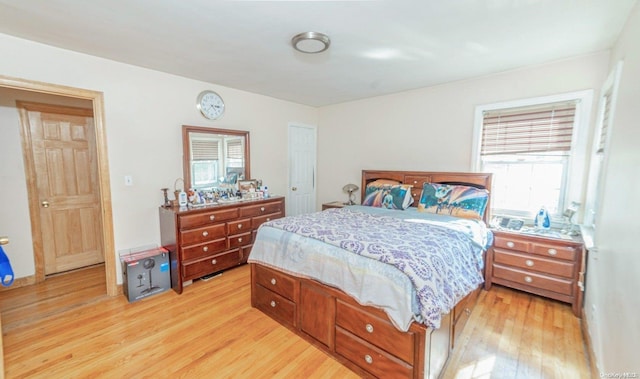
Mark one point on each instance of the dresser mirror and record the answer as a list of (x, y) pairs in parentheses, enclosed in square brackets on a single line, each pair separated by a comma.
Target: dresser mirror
[(214, 158)]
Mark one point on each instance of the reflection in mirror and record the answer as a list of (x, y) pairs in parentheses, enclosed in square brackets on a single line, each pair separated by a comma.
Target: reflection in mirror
[(214, 158)]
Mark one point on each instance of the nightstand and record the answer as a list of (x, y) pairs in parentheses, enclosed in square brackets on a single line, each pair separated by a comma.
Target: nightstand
[(333, 204), (542, 265)]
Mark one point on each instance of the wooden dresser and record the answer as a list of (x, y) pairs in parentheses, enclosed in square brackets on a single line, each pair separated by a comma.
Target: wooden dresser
[(202, 241), (549, 267)]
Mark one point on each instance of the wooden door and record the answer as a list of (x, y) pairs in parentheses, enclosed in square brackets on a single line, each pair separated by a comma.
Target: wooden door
[(63, 156), (302, 170)]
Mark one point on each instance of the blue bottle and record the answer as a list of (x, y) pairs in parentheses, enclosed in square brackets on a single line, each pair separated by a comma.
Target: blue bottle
[(542, 220)]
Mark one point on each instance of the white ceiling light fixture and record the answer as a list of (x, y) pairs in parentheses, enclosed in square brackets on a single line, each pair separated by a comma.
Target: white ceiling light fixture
[(311, 42)]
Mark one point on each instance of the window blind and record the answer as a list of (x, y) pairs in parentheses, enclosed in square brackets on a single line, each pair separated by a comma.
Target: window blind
[(605, 122), (234, 149), (538, 129), (205, 150)]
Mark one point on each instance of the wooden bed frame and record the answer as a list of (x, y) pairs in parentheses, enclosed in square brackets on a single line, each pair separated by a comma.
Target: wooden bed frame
[(362, 337)]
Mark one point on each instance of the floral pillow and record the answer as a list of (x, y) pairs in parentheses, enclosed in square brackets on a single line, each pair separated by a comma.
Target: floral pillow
[(390, 196), (453, 200)]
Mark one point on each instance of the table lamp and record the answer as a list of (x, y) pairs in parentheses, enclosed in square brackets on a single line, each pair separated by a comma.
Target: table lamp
[(350, 189)]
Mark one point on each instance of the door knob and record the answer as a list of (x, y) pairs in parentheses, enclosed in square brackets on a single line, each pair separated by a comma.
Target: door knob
[(4, 240), (45, 204), (294, 188)]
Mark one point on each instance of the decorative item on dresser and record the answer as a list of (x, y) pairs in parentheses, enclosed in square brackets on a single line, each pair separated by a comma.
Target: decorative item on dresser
[(545, 266), (205, 240), (367, 339)]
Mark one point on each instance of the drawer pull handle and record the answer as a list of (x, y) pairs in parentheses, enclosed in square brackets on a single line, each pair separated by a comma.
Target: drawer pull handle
[(552, 251), (467, 311), (261, 209), (212, 217), (273, 304), (368, 359), (369, 328), (205, 233), (213, 261), (268, 218), (239, 226), (240, 239), (529, 262), (415, 182), (510, 244), (205, 249), (528, 279), (273, 281)]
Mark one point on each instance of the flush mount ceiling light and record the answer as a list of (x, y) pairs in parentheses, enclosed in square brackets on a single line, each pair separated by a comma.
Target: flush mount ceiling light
[(311, 42)]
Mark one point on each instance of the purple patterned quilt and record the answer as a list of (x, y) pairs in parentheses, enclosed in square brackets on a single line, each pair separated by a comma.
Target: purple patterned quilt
[(442, 263)]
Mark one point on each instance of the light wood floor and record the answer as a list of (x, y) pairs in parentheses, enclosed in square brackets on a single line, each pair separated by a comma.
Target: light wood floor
[(51, 331)]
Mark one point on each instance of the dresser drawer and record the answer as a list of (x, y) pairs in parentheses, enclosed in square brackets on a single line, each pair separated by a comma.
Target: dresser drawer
[(240, 240), (257, 221), (202, 235), (211, 264), (370, 358), (532, 262), (275, 281), (239, 226), (275, 305), (206, 218), (261, 209), (465, 305), (531, 279), (461, 314), (203, 250), (376, 331), (555, 251)]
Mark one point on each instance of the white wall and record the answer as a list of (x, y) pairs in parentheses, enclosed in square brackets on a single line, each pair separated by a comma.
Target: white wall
[(431, 129), (144, 112), (613, 275)]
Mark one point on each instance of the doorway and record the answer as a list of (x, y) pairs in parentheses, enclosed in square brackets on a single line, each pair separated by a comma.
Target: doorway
[(60, 157), (102, 178), (302, 169)]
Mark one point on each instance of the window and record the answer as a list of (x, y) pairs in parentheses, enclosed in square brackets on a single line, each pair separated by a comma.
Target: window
[(205, 161), (533, 148), (604, 124)]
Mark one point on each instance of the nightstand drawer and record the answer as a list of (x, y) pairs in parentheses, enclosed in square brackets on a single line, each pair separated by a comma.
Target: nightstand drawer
[(534, 263), (512, 243), (555, 250), (530, 279)]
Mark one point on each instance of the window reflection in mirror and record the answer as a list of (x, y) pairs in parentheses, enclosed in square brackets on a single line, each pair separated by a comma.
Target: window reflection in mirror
[(214, 158)]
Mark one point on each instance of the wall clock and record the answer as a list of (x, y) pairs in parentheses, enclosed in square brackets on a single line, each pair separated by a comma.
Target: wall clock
[(210, 104)]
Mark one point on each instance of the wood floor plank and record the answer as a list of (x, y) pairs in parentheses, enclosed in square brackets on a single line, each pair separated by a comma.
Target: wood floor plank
[(68, 327)]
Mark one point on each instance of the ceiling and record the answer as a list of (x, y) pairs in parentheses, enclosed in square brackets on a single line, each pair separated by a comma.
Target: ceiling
[(377, 47)]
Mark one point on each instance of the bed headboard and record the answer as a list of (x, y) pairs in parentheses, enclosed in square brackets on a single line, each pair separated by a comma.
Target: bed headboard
[(418, 178)]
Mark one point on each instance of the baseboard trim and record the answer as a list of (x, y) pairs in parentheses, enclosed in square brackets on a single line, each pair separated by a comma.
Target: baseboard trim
[(20, 282), (584, 326)]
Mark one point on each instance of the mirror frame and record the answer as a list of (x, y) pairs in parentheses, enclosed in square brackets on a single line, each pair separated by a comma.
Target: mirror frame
[(186, 151)]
